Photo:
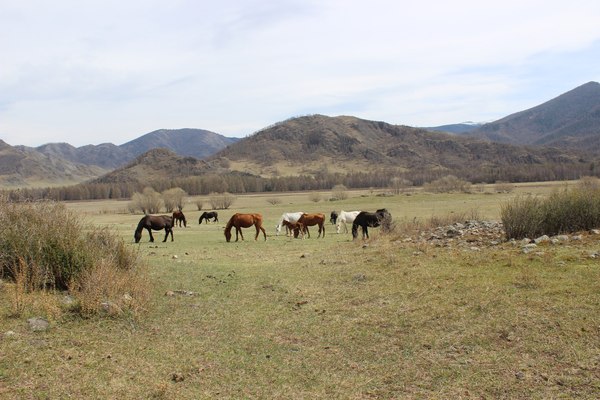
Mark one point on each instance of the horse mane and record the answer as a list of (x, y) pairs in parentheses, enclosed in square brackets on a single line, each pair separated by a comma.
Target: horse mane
[(140, 226), (230, 223)]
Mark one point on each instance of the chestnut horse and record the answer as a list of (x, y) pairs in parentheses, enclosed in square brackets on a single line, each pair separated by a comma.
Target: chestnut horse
[(240, 221), (179, 217), (294, 228), (154, 222), (307, 220)]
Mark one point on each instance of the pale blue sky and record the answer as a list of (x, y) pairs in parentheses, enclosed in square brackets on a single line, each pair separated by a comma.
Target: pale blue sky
[(89, 72)]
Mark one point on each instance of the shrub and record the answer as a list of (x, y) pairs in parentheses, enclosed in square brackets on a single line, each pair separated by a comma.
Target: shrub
[(43, 246), (221, 201), (149, 201), (274, 201), (503, 187), (447, 184), (339, 192), (315, 197), (173, 199), (562, 212)]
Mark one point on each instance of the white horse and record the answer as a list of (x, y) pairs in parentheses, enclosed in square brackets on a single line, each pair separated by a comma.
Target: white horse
[(345, 217), (290, 217)]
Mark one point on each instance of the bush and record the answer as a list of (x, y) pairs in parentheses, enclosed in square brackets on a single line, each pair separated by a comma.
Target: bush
[(173, 199), (339, 192), (149, 201), (221, 201), (43, 246), (562, 212), (448, 184)]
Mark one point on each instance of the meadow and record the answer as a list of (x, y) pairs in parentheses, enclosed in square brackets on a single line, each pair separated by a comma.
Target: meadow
[(326, 318)]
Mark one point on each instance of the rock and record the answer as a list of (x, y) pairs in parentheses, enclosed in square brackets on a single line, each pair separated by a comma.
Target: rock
[(542, 239), (177, 377), (9, 334), (359, 278), (175, 257), (525, 241), (38, 324), (169, 293), (595, 231), (562, 238), (577, 237), (529, 247), (110, 308)]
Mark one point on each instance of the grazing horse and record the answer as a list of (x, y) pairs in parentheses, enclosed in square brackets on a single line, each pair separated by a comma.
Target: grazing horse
[(240, 221), (289, 217), (294, 228), (333, 217), (208, 215), (307, 220), (179, 217), (365, 219), (154, 222), (345, 217)]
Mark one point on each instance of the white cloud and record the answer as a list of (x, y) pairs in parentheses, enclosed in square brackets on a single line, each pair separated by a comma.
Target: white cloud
[(110, 71)]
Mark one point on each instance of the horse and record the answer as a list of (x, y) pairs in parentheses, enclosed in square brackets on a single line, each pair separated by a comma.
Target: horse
[(294, 228), (364, 219), (307, 220), (208, 215), (345, 217), (289, 217), (244, 221), (179, 217), (154, 222), (333, 217)]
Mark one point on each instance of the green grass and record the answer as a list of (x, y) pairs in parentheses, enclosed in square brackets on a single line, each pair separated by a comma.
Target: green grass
[(327, 318)]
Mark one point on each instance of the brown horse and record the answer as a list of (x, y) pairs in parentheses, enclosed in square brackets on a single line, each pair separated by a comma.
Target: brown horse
[(307, 220), (154, 222), (240, 221), (179, 217), (294, 228)]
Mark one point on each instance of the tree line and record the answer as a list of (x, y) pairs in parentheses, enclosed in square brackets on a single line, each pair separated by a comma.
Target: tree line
[(322, 180)]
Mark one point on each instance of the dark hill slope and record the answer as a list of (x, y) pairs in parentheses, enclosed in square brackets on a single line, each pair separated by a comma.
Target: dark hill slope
[(354, 142), (571, 120), (156, 165)]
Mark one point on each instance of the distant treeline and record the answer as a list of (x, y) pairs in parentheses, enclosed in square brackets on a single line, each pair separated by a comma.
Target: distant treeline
[(247, 183)]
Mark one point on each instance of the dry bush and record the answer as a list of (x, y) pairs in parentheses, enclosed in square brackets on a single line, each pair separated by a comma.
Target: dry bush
[(315, 197), (274, 201), (148, 202), (221, 201), (46, 249), (589, 182), (339, 192), (448, 184), (503, 187), (199, 204), (562, 212), (399, 185), (173, 199)]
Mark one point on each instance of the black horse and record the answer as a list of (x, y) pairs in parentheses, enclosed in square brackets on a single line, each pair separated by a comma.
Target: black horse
[(154, 222), (209, 215), (333, 217), (365, 219)]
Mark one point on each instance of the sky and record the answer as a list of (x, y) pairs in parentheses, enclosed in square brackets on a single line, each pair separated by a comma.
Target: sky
[(90, 72)]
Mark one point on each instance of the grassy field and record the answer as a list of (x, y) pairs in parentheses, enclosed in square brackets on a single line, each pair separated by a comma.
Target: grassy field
[(326, 318)]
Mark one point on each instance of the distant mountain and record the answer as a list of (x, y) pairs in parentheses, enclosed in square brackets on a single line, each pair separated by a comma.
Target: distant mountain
[(346, 144), (196, 143), (571, 120), (464, 127), (21, 166), (62, 163)]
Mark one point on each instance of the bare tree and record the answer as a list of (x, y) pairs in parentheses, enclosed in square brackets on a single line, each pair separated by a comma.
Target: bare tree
[(173, 199)]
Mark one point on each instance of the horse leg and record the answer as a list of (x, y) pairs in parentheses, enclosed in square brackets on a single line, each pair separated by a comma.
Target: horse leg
[(238, 229), (150, 233), (366, 231), (263, 231)]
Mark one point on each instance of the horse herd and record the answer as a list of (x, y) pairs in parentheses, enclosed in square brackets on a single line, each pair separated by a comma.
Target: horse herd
[(295, 223)]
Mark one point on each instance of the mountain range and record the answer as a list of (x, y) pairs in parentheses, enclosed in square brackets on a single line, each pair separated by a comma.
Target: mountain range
[(565, 129)]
